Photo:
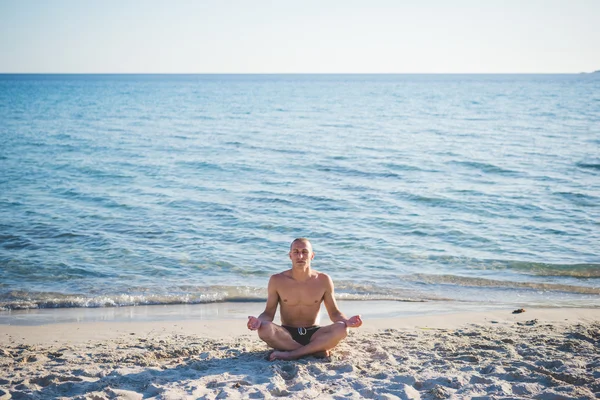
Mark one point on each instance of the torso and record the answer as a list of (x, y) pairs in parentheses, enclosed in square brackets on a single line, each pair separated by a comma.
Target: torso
[(300, 301)]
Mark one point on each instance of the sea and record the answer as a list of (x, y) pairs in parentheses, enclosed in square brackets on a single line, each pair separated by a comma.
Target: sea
[(131, 190)]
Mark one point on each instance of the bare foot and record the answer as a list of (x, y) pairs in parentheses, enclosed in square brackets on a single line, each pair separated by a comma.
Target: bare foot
[(286, 355), (280, 355), (322, 354)]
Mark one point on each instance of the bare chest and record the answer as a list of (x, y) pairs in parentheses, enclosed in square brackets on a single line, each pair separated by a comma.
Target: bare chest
[(301, 294)]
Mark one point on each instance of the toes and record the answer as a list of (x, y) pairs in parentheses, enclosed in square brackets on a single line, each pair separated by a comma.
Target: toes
[(322, 354)]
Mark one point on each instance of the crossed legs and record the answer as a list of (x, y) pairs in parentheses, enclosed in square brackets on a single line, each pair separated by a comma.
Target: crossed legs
[(286, 348)]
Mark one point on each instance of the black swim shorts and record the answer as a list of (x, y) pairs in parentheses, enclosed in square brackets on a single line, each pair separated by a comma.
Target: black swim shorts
[(302, 335)]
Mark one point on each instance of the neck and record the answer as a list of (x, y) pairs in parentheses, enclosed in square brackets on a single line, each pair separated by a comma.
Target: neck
[(301, 273)]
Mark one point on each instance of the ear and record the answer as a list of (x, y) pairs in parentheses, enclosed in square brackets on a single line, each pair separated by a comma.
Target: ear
[(312, 255)]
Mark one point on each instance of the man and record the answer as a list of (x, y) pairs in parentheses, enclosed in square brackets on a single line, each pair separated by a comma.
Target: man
[(299, 292)]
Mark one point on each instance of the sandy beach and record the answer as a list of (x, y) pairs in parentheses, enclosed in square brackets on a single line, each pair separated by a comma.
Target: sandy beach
[(540, 354)]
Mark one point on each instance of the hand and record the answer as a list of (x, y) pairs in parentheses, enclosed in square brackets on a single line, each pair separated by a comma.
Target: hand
[(354, 322), (253, 323)]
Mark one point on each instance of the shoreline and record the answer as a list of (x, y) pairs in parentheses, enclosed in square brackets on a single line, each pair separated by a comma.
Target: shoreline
[(369, 309), (541, 353), (234, 326), (223, 311)]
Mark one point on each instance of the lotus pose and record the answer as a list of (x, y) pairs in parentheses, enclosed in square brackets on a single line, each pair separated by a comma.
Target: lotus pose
[(299, 293)]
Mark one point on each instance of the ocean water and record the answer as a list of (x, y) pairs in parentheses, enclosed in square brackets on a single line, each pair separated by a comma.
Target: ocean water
[(121, 190)]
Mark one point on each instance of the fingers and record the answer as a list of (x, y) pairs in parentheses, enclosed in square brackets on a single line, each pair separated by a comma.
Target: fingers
[(355, 321), (253, 323)]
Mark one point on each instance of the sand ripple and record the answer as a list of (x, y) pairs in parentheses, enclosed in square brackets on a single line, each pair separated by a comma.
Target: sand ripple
[(533, 360)]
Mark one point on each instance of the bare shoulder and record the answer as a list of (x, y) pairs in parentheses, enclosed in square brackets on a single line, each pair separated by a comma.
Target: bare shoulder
[(280, 277), (324, 278)]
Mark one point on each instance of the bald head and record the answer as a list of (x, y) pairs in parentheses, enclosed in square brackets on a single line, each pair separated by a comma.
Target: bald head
[(301, 253), (301, 240)]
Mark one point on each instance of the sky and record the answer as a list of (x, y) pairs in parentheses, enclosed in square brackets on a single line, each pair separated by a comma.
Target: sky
[(301, 36)]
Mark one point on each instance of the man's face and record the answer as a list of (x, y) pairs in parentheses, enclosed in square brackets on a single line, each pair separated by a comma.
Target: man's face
[(301, 254)]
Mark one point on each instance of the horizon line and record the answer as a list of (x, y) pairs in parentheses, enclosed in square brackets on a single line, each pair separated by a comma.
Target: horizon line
[(298, 73)]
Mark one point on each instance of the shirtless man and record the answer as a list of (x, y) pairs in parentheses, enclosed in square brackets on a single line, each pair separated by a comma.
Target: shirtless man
[(299, 292)]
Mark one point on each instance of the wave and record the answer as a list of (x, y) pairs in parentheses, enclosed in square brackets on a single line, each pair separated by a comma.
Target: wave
[(23, 300), (418, 287), (353, 172), (579, 198), (585, 270), (538, 269), (199, 165), (595, 165), (493, 283), (485, 167)]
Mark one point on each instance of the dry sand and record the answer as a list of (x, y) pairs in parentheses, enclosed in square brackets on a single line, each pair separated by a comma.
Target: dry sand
[(540, 354)]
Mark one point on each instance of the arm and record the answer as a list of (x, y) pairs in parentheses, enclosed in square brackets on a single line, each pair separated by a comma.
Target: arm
[(332, 309), (270, 308)]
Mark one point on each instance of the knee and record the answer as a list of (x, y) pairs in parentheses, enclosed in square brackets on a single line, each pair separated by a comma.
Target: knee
[(340, 331), (266, 330)]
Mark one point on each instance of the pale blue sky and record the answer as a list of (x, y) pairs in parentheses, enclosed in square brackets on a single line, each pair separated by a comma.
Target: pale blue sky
[(304, 36)]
